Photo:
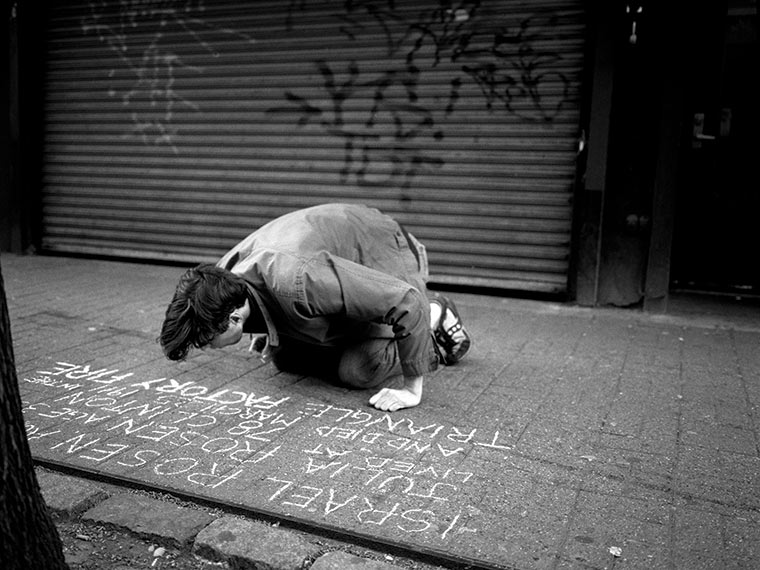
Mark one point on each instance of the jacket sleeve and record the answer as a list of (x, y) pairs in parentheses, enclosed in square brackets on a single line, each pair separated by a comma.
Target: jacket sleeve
[(333, 285)]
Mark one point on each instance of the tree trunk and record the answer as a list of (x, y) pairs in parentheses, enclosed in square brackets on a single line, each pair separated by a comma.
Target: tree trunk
[(28, 537)]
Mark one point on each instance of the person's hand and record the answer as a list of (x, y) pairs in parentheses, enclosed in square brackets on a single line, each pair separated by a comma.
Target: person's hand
[(393, 399), (260, 344)]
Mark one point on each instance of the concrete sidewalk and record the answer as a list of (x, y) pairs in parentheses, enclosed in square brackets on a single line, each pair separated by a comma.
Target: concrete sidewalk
[(569, 438)]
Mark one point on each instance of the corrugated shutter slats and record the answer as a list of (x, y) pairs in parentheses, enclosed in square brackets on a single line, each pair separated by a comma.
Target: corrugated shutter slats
[(174, 130)]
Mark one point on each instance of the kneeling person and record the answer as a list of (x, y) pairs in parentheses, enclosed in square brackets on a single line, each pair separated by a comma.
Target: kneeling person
[(337, 291)]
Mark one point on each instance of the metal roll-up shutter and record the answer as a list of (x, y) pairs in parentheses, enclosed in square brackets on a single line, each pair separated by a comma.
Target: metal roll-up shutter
[(173, 129)]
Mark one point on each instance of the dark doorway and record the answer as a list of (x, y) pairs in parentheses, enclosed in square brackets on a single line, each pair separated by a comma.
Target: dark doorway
[(717, 230)]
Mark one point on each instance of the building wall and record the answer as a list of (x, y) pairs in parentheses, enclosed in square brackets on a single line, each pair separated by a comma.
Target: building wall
[(632, 121)]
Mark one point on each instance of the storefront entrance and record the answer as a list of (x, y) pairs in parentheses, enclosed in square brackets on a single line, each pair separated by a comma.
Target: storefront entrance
[(716, 227)]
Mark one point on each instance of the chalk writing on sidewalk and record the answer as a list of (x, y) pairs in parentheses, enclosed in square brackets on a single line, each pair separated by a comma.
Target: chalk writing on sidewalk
[(313, 459)]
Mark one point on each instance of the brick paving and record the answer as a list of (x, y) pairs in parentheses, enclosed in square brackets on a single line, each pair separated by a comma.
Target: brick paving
[(570, 437)]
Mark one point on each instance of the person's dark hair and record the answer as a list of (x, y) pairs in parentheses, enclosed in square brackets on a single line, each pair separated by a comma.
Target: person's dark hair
[(205, 297)]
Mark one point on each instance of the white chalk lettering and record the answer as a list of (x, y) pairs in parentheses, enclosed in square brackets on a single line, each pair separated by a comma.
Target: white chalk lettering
[(329, 452), (366, 516), (138, 455), (212, 479), (159, 433), (129, 427), (416, 516), (408, 476), (219, 445), (449, 452), (493, 443), (76, 443), (100, 454), (175, 466), (206, 419), (36, 433), (260, 456), (306, 499), (286, 485), (453, 524), (332, 505), (459, 436)]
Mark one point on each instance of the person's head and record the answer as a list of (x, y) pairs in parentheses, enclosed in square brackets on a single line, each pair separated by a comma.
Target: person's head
[(209, 307)]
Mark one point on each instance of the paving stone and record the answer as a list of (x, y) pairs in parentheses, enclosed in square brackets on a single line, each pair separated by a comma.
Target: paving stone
[(244, 543), (69, 496), (338, 560), (148, 517), (565, 428)]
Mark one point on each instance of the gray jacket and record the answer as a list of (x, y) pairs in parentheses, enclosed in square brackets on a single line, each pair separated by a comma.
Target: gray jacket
[(324, 274)]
